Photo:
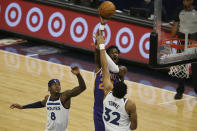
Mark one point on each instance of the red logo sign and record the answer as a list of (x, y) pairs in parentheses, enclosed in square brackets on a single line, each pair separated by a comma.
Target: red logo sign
[(73, 28)]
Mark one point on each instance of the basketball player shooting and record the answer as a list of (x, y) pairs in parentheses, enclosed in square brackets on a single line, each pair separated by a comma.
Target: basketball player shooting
[(119, 112), (57, 104), (106, 10), (117, 74)]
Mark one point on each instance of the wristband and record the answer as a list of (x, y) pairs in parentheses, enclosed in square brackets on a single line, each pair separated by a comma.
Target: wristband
[(101, 27), (102, 46)]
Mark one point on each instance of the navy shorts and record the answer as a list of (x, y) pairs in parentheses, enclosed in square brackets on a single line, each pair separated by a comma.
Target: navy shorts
[(98, 120)]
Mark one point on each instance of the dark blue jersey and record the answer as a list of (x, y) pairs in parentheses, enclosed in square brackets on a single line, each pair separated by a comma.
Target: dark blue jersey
[(98, 87)]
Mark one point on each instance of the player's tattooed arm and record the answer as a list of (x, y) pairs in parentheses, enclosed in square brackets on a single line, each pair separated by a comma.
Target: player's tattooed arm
[(38, 104), (77, 90), (131, 110)]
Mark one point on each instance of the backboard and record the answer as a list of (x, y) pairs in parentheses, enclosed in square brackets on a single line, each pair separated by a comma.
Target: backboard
[(165, 49)]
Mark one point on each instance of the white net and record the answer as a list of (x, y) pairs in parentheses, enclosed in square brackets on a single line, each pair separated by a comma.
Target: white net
[(180, 71)]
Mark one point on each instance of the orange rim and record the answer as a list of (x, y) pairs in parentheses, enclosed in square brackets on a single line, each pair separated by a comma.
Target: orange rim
[(173, 45)]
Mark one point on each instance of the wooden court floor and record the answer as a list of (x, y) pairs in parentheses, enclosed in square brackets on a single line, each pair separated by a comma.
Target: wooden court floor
[(24, 80)]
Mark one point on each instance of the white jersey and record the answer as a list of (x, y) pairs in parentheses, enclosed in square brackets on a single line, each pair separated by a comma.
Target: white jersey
[(188, 20), (115, 116), (57, 116)]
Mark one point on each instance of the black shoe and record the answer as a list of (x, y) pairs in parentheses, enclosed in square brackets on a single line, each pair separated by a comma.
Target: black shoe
[(178, 96), (195, 90)]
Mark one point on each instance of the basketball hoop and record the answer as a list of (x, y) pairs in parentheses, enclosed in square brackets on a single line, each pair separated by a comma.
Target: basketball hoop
[(170, 49), (180, 71), (173, 43)]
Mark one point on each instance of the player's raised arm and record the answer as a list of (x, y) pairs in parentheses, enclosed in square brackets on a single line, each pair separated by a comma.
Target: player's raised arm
[(77, 90), (38, 104), (105, 71), (97, 52), (122, 72), (111, 65), (97, 57)]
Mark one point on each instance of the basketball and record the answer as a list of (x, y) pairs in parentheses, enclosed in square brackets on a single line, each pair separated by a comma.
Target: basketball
[(106, 9)]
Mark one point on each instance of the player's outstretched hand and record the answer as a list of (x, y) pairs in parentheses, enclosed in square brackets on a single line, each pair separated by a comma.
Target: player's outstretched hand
[(16, 106), (99, 38), (75, 70), (103, 21)]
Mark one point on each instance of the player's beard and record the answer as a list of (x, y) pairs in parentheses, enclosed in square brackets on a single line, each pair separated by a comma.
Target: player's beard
[(115, 60)]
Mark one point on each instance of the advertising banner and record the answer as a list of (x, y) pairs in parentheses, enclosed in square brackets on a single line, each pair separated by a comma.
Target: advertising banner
[(73, 28)]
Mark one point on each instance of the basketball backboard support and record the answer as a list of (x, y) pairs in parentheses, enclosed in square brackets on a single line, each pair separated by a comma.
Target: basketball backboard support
[(165, 55)]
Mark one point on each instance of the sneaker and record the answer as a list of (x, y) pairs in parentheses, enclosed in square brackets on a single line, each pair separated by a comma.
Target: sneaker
[(195, 90), (178, 96)]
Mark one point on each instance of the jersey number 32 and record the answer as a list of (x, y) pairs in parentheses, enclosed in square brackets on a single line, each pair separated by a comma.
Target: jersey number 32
[(108, 115)]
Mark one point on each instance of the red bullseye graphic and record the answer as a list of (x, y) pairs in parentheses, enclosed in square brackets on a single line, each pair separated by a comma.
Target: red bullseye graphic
[(124, 40), (144, 45), (13, 14), (79, 29), (56, 24), (34, 19)]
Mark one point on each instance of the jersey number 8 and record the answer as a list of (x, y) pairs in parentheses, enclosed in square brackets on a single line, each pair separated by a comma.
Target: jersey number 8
[(53, 116)]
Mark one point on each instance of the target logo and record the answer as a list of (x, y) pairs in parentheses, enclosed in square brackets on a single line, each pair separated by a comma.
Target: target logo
[(55, 70), (13, 14), (146, 94), (56, 24), (144, 45), (11, 59), (79, 29), (124, 40), (167, 97), (191, 103), (33, 65), (34, 19), (106, 33)]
